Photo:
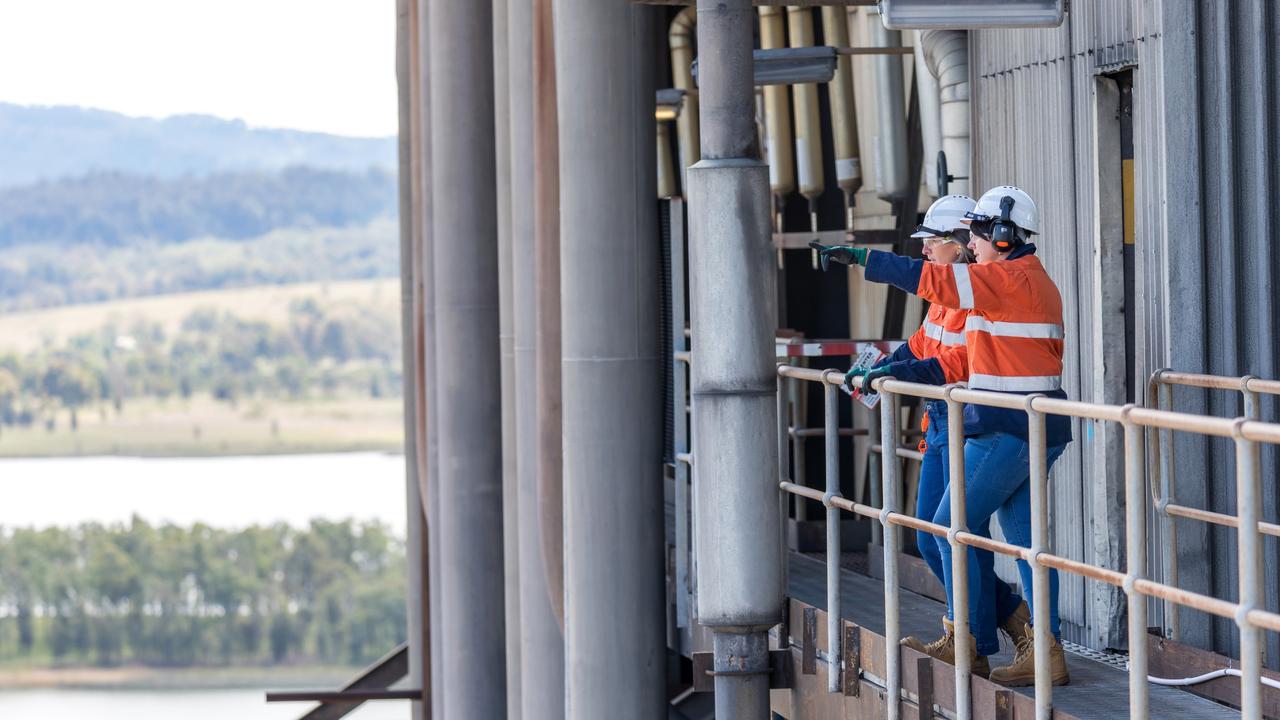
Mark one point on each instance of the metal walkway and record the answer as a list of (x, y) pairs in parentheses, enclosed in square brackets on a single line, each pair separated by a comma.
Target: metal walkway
[(1097, 690)]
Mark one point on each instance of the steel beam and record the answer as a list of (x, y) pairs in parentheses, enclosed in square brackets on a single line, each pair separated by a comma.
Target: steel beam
[(615, 614), (467, 374), (734, 391)]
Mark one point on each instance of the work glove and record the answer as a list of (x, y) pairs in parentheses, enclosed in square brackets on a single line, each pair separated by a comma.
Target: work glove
[(853, 379), (842, 254), (872, 375)]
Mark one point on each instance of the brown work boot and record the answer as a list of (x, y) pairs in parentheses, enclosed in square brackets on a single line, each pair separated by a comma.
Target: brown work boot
[(1018, 624), (944, 649), (1022, 671)]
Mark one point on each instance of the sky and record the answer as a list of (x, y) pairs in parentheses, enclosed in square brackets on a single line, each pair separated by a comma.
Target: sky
[(319, 65)]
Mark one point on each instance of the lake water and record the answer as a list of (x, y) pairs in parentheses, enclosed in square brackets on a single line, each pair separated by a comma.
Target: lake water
[(237, 704), (226, 492)]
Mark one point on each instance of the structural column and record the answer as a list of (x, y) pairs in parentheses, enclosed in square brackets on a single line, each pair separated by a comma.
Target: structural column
[(733, 317), (467, 378), (542, 679), (611, 367)]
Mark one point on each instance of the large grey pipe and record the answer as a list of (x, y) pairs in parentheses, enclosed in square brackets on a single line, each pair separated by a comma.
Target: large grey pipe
[(615, 618), (415, 528), (542, 679), (892, 175), (930, 114), (506, 344), (947, 54), (734, 319), (467, 368)]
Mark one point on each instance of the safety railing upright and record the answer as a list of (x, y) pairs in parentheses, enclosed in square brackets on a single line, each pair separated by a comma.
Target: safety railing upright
[(1247, 613), (1160, 395)]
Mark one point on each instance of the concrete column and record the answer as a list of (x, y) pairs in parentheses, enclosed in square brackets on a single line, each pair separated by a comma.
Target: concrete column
[(506, 344), (542, 681), (733, 317), (611, 367), (467, 373)]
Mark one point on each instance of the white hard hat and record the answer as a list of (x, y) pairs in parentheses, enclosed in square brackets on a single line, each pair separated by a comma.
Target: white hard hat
[(1024, 212), (944, 216)]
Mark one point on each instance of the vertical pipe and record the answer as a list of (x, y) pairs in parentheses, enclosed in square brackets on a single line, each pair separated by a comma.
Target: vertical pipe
[(889, 492), (467, 373), (930, 114), (615, 605), (831, 436), (415, 557), (542, 680), (1038, 465), (734, 377), (546, 280), (1136, 554), (959, 557), (893, 177), (807, 123), (1248, 500), (844, 112), (680, 40), (1168, 488), (778, 150), (506, 345)]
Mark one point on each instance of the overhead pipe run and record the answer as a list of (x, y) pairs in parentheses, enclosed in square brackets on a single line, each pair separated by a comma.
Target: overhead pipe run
[(844, 113), (733, 386), (681, 39), (808, 125), (778, 150), (930, 114), (892, 176), (947, 54)]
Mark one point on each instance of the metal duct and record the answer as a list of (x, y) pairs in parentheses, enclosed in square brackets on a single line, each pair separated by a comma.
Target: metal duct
[(807, 122), (947, 53), (681, 40), (892, 176), (844, 113), (778, 150), (930, 116)]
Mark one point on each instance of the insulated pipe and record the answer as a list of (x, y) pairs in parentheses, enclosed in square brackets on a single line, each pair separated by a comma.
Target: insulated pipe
[(542, 679), (546, 280), (506, 345), (947, 53), (415, 558), (680, 38), (777, 120), (734, 391), (930, 115), (808, 125), (467, 373), (892, 174), (844, 112), (615, 593)]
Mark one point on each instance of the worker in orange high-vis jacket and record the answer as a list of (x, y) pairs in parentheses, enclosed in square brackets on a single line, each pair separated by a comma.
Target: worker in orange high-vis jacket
[(1014, 341), (936, 355)]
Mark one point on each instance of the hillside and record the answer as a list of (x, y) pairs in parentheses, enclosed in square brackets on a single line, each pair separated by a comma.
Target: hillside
[(42, 143)]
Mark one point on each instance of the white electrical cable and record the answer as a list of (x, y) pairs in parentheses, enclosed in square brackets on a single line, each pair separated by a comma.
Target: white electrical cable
[(1224, 672)]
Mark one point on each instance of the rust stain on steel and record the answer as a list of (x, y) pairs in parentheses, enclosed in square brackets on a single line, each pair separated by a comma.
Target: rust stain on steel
[(852, 685), (809, 643)]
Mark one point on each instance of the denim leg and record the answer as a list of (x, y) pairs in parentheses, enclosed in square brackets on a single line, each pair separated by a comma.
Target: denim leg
[(989, 458), (1015, 521), (929, 493)]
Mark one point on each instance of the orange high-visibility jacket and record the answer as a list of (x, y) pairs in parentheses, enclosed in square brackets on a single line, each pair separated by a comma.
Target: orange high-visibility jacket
[(942, 337)]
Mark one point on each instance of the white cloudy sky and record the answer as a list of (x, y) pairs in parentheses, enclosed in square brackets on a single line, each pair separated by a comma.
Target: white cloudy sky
[(323, 65)]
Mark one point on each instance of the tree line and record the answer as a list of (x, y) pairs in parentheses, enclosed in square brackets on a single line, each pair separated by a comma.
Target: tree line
[(171, 596)]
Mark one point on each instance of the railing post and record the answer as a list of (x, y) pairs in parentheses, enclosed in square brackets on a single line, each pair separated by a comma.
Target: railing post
[(1248, 499), (784, 499), (875, 464), (889, 492), (831, 436), (799, 419), (1039, 476), (959, 556), (1136, 553), (1162, 399)]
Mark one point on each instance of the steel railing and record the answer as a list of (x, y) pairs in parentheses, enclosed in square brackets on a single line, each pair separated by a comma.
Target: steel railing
[(1160, 395), (1135, 420)]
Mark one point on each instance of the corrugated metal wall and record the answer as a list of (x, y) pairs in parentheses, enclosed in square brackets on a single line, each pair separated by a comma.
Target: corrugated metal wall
[(1207, 142)]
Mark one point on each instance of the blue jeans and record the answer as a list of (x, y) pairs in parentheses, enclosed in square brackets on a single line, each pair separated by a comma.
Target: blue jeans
[(935, 473), (997, 480)]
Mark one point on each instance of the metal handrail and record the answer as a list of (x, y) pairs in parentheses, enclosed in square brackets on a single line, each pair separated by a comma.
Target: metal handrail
[(1246, 433)]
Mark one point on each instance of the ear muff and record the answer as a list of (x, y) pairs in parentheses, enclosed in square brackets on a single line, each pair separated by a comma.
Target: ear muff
[(1004, 234)]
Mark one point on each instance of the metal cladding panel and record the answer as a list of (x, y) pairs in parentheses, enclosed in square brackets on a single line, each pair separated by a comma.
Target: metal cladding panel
[(1206, 139)]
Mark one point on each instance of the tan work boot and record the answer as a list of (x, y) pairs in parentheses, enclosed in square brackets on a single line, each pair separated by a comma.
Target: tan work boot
[(944, 649), (1022, 671), (1017, 625)]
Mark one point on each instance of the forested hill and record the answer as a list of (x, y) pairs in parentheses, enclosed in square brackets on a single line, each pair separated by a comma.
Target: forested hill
[(42, 143), (112, 209)]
